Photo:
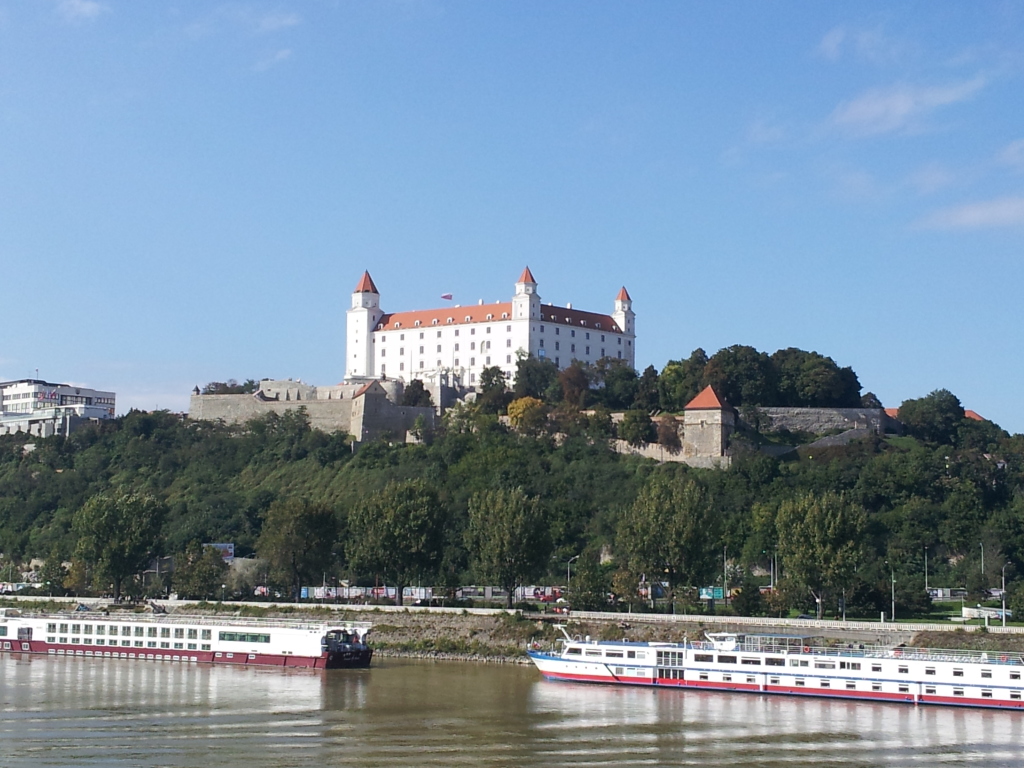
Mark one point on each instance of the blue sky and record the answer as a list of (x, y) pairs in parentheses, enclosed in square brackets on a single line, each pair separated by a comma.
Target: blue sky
[(190, 191)]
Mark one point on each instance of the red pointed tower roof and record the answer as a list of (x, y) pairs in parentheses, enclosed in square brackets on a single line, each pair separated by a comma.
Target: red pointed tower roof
[(623, 295), (526, 277), (707, 400), (366, 285)]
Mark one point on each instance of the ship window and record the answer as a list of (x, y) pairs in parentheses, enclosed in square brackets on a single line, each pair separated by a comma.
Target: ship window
[(592, 652), (1015, 675), (703, 657), (151, 631), (63, 640), (986, 673), (824, 664), (726, 678), (150, 644), (51, 640), (574, 651), (49, 628), (824, 684), (773, 680), (798, 662), (191, 646), (958, 673), (140, 632), (165, 631), (851, 685), (100, 641), (904, 689), (76, 629), (204, 647), (876, 686), (138, 643), (849, 665), (179, 632), (126, 643), (618, 670), (753, 662), (207, 634), (74, 641), (87, 629), (930, 690), (726, 659), (242, 637), (614, 654), (876, 667), (958, 691), (630, 654), (986, 694), (751, 679), (63, 627), (703, 675), (904, 670), (929, 670), (1015, 695), (164, 644), (193, 634), (112, 630), (641, 654), (775, 662), (800, 683), (179, 646)]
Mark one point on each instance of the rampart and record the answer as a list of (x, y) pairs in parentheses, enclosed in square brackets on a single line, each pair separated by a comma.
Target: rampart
[(818, 421)]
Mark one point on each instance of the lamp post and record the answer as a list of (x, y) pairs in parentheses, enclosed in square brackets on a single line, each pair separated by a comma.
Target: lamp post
[(222, 588), (926, 569), (982, 543), (568, 570), (1004, 593), (892, 575)]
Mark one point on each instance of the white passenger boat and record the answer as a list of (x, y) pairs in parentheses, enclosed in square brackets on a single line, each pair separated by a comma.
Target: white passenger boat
[(178, 638), (780, 664)]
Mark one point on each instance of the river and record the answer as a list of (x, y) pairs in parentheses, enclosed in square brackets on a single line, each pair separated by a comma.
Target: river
[(93, 712)]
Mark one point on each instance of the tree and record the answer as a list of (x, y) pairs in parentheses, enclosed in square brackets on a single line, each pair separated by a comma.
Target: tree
[(297, 542), (231, 387), (117, 534), (750, 601), (669, 533), (416, 395), (668, 436), (535, 377), (575, 384), (198, 572), (870, 400), (742, 375), (636, 428), (618, 383), (809, 380), (934, 418), (681, 380), (590, 585), (493, 396), (507, 538), (398, 534), (820, 542), (527, 414)]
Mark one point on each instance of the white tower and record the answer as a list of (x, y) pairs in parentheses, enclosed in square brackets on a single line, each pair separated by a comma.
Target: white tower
[(526, 302), (625, 318), (361, 321)]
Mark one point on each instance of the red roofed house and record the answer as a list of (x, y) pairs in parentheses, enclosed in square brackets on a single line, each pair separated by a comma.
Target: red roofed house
[(457, 342), (707, 423)]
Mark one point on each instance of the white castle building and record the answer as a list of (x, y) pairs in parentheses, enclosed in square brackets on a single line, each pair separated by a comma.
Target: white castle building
[(455, 344)]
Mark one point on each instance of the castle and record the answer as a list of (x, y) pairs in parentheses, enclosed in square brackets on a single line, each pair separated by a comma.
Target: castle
[(454, 345)]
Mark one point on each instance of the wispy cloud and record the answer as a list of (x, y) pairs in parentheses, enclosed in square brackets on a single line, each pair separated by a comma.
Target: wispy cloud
[(273, 60), (80, 10), (988, 214), (1013, 154), (831, 45), (872, 45), (900, 107), (930, 178), (272, 22)]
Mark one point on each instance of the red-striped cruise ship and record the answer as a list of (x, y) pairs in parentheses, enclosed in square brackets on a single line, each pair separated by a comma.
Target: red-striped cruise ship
[(799, 666), (179, 638)]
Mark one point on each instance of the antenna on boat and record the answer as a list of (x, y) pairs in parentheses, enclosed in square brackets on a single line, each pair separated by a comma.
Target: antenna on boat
[(568, 637)]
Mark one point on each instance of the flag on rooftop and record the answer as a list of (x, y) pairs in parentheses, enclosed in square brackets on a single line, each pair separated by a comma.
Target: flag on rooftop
[(446, 296)]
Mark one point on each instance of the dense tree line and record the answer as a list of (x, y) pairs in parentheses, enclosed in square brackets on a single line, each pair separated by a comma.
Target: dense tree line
[(483, 501)]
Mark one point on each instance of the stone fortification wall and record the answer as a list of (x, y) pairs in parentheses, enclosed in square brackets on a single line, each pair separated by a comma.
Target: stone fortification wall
[(661, 453), (375, 416), (325, 415), (820, 420)]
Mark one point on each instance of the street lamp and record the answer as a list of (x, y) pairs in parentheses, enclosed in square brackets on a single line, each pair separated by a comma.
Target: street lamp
[(926, 569), (222, 588), (568, 571), (982, 543), (892, 574), (1004, 593)]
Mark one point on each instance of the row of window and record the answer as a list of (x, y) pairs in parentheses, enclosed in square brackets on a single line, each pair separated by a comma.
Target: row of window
[(128, 631), (472, 331), (125, 643), (849, 685), (242, 637), (610, 654), (903, 669)]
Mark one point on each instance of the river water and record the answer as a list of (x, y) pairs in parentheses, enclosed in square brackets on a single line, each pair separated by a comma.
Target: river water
[(93, 712)]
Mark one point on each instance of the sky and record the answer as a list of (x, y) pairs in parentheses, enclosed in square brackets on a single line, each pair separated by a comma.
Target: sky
[(190, 191)]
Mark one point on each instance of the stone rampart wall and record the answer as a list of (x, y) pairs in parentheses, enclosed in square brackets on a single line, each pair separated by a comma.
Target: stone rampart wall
[(325, 415), (820, 420), (661, 453)]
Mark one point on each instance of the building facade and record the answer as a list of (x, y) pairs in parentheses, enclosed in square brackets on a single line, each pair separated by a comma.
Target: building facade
[(455, 344), (41, 408)]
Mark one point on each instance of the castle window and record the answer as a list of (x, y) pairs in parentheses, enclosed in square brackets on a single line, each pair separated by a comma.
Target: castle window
[(472, 345), (598, 325), (434, 321), (488, 327), (401, 366), (542, 344), (439, 334), (504, 315), (438, 347), (573, 348), (438, 363), (421, 352), (489, 317), (449, 319), (508, 329), (542, 329), (468, 318), (508, 358), (588, 350), (620, 354), (456, 346), (558, 331), (383, 339), (588, 335), (401, 350), (382, 369), (456, 331), (573, 333), (602, 335), (421, 333), (583, 322), (629, 343), (556, 344), (472, 331), (472, 362), (602, 351), (383, 353), (416, 323), (557, 364), (487, 361), (398, 325), (620, 341), (508, 342), (401, 337), (456, 362), (421, 365)]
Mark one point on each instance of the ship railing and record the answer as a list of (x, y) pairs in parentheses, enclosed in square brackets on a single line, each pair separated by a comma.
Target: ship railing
[(179, 618), (872, 652)]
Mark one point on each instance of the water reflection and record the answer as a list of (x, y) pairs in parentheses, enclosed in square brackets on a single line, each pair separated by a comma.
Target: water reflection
[(77, 711)]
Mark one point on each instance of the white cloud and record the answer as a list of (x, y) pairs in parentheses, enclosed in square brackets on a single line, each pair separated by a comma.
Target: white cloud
[(831, 44), (1013, 154), (930, 178), (871, 45), (274, 21), (80, 10), (282, 55), (1001, 212), (900, 107)]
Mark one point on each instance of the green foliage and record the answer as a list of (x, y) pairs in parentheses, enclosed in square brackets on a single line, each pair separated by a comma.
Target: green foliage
[(231, 387), (416, 395), (636, 428), (618, 385), (590, 585), (493, 397), (535, 377), (117, 534), (297, 542), (398, 534), (198, 572), (507, 537), (682, 380), (934, 418)]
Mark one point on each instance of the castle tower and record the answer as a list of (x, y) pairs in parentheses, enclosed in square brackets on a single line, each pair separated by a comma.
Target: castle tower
[(625, 318), (361, 320), (707, 423), (526, 302)]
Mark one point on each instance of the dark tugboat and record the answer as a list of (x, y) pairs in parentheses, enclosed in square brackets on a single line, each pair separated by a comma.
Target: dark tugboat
[(346, 648)]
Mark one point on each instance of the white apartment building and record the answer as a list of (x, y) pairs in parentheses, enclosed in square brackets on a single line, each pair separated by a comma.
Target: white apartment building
[(42, 408), (456, 343)]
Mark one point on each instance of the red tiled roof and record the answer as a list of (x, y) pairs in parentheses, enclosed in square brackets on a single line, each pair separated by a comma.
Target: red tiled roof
[(366, 285), (969, 414), (477, 313), (707, 400), (892, 413), (623, 295), (526, 277)]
